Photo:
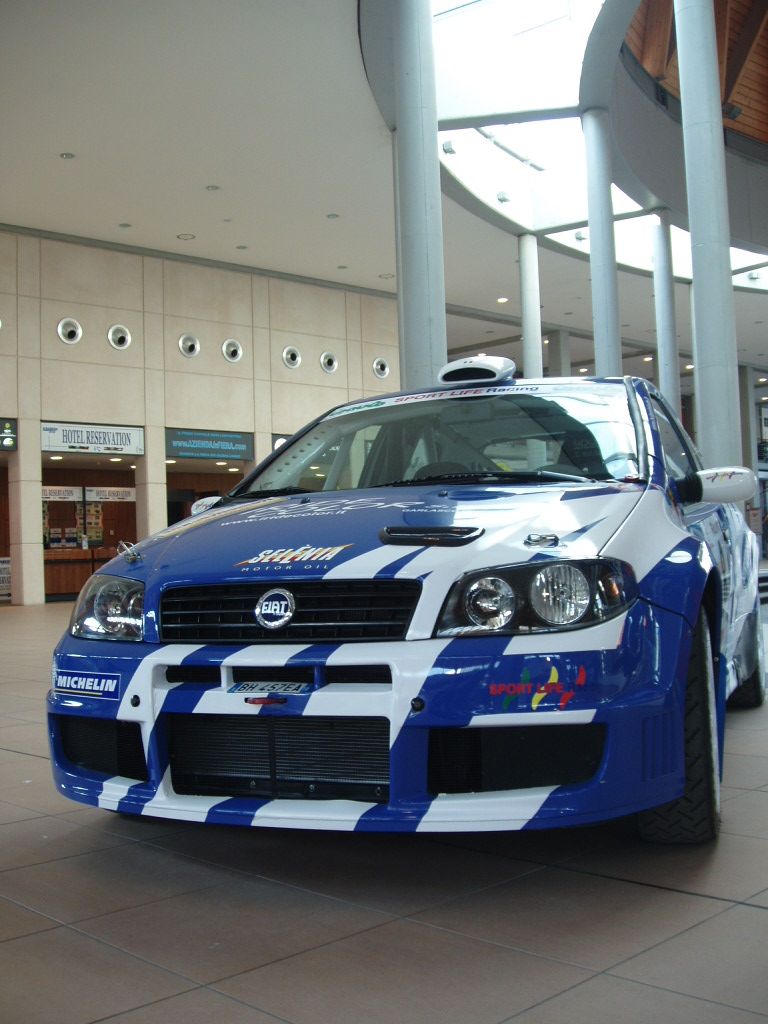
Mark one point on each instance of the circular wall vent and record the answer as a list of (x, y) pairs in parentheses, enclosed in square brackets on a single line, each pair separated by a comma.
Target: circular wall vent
[(380, 368), (69, 331), (291, 357), (189, 345), (119, 336), (232, 350), (329, 362)]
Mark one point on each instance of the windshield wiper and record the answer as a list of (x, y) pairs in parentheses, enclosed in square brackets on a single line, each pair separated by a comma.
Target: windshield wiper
[(275, 492), (486, 475)]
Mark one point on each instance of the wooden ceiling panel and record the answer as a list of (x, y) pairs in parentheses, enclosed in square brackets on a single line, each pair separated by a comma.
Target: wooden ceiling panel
[(742, 41)]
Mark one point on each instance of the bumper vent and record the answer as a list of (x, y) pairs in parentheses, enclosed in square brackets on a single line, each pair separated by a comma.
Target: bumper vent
[(279, 756), (345, 610), (103, 745), (514, 757)]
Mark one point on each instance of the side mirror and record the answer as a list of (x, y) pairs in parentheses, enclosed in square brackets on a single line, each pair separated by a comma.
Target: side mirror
[(718, 485), (203, 504)]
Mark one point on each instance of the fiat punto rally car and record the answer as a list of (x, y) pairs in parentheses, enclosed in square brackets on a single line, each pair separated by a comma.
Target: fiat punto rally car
[(493, 604)]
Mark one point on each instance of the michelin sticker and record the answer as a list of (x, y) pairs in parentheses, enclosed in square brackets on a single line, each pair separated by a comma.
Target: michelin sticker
[(88, 684)]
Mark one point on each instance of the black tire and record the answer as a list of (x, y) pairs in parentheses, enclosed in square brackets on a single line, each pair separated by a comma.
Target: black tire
[(695, 816), (751, 693)]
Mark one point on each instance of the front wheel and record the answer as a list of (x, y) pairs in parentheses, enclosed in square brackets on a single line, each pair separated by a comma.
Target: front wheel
[(695, 816)]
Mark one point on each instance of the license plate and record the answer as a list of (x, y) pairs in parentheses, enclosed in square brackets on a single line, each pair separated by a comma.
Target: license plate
[(266, 688)]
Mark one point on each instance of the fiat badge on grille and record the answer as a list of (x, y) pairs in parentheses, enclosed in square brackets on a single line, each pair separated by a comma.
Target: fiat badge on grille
[(275, 608)]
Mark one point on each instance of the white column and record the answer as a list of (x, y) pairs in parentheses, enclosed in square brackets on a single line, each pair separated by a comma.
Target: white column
[(418, 206), (530, 303), (559, 350), (749, 424), (664, 302), (715, 351), (602, 245)]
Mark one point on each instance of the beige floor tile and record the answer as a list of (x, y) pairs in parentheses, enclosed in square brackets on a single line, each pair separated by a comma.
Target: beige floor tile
[(11, 812), (760, 899), (230, 928), (16, 921), (732, 868), (747, 814), (542, 846), (143, 828), (744, 771), (200, 1006), (24, 737), (400, 874), (93, 884), (607, 1000), (60, 977), (403, 973), (723, 960), (46, 839), (593, 922)]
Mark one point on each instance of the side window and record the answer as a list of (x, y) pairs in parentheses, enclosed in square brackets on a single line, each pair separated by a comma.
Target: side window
[(677, 452)]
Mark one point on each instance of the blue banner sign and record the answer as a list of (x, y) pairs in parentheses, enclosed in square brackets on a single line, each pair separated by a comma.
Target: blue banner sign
[(208, 444)]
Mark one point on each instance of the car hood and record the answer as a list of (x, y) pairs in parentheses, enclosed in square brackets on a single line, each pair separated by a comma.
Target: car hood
[(339, 535)]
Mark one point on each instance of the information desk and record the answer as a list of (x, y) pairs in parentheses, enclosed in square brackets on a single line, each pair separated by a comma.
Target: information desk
[(67, 569)]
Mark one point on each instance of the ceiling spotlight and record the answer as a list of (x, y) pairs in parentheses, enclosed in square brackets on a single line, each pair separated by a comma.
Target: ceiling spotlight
[(448, 148), (342, 266), (221, 463), (502, 299), (580, 236), (241, 246), (170, 462), (647, 359), (502, 197), (56, 458), (333, 216), (583, 369), (762, 380), (689, 366), (386, 277), (67, 156), (185, 236), (233, 469), (212, 188), (124, 225)]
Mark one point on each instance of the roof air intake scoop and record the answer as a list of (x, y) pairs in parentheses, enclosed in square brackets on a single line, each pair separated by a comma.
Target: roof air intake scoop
[(477, 369)]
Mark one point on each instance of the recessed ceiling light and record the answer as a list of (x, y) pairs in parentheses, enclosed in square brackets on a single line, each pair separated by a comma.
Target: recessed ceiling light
[(333, 216), (568, 313), (124, 225), (233, 469), (226, 220), (67, 156), (490, 332), (386, 277), (241, 246), (221, 463), (502, 299), (546, 341), (647, 359), (56, 458), (115, 458), (584, 369), (133, 467), (212, 188), (170, 462), (342, 266), (689, 366), (185, 236)]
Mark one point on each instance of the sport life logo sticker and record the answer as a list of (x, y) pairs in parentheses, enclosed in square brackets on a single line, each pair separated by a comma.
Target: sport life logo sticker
[(89, 684), (538, 691)]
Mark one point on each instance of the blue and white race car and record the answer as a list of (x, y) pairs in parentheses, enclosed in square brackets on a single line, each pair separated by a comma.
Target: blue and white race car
[(493, 604)]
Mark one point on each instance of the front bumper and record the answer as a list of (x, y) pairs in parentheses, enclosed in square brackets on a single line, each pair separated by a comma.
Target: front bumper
[(434, 735)]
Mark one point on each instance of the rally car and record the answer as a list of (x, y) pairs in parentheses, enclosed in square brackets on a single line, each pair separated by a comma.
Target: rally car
[(493, 604)]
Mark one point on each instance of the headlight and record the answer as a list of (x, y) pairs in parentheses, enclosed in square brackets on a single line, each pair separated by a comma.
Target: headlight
[(109, 608), (536, 597)]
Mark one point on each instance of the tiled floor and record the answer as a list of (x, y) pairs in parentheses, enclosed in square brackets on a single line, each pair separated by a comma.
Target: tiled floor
[(104, 918)]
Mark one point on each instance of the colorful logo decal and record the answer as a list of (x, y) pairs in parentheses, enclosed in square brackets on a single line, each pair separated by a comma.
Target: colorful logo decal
[(88, 684), (538, 691), (306, 553), (275, 608)]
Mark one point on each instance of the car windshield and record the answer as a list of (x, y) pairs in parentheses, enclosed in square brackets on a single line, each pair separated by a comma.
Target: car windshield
[(527, 434)]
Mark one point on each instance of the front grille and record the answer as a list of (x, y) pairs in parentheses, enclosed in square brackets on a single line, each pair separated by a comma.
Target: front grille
[(279, 756), (513, 757), (103, 745), (326, 610)]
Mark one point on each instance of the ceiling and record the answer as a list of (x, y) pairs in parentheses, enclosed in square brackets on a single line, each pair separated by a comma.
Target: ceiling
[(244, 132)]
